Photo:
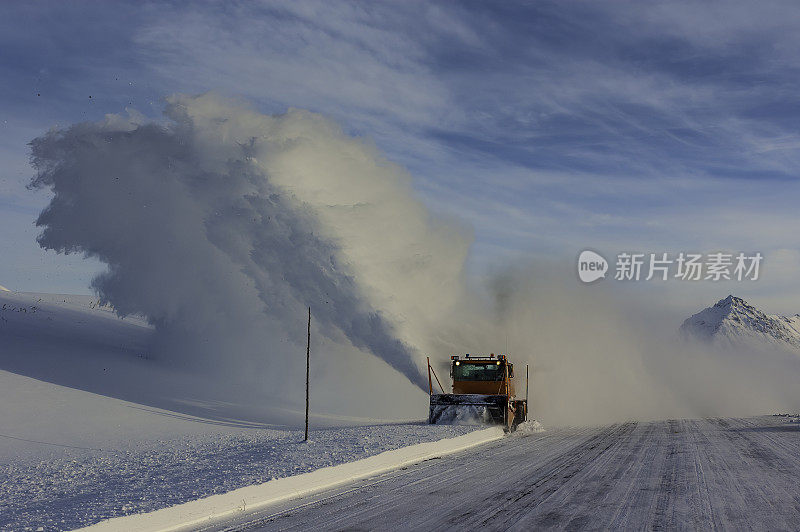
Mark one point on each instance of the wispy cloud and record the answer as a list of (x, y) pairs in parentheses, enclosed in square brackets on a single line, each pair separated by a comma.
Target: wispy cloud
[(546, 125)]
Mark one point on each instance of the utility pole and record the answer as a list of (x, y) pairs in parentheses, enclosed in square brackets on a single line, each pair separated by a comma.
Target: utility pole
[(308, 366)]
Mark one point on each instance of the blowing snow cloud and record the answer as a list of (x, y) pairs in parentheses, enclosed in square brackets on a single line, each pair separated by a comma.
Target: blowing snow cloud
[(222, 224)]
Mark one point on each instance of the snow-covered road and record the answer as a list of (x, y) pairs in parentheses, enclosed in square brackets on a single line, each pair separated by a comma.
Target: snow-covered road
[(686, 474)]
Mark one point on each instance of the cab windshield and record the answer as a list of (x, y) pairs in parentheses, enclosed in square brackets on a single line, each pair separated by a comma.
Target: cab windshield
[(490, 371)]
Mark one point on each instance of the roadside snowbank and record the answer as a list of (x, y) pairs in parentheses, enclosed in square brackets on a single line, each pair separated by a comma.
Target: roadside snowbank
[(216, 507)]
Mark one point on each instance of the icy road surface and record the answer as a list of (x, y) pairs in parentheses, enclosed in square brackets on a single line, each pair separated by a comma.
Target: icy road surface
[(691, 474)]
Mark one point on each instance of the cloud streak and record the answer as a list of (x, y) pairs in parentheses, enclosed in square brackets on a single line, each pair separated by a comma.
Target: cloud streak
[(547, 126)]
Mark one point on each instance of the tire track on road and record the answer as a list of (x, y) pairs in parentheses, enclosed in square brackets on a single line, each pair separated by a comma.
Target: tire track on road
[(684, 474)]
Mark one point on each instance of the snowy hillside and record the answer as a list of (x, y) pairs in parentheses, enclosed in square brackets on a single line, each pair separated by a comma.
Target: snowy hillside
[(64, 480), (92, 427), (72, 341), (733, 322)]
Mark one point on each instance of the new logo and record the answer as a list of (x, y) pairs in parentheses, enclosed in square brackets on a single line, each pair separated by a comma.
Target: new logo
[(591, 266)]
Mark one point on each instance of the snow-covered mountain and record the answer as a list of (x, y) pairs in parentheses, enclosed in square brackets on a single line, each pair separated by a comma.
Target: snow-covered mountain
[(733, 322)]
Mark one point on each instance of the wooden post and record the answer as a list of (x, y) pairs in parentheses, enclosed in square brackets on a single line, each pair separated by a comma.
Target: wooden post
[(308, 366)]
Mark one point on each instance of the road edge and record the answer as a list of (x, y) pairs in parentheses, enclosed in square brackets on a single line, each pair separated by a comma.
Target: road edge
[(226, 505)]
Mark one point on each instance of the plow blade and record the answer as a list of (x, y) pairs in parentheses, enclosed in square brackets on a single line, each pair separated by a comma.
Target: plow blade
[(468, 409)]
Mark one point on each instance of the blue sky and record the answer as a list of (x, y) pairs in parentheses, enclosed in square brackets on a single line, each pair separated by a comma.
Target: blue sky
[(548, 127)]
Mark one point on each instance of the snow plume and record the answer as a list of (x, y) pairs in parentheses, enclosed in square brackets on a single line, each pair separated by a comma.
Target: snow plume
[(223, 224)]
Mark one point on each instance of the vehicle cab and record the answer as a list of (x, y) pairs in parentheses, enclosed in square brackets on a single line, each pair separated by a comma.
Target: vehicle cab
[(492, 375)]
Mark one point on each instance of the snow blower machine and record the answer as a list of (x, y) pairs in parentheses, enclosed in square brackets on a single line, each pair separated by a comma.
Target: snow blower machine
[(483, 393)]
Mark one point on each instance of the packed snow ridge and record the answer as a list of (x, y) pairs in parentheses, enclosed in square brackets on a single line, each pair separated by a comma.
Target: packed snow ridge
[(735, 322)]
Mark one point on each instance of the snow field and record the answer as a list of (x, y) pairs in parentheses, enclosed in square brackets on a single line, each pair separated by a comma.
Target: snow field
[(74, 488), (217, 507)]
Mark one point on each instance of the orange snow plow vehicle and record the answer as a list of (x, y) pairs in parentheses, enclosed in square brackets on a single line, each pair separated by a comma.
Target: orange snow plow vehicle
[(483, 392)]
